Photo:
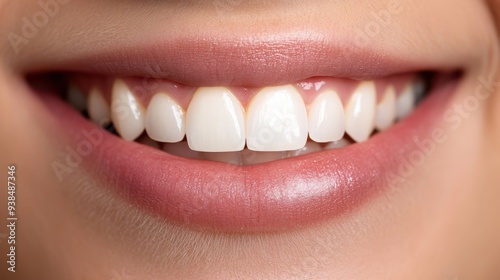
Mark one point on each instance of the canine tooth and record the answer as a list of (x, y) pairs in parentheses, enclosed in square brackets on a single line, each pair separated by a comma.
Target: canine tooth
[(165, 119), (311, 147), (405, 102), (181, 149), (386, 110), (277, 120), (98, 108), (360, 112), (215, 121), (76, 98), (326, 118), (230, 157), (127, 113)]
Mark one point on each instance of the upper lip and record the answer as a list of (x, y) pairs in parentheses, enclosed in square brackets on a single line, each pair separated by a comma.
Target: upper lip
[(251, 61)]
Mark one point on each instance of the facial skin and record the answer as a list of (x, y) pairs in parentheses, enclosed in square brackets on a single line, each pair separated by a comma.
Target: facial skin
[(439, 223)]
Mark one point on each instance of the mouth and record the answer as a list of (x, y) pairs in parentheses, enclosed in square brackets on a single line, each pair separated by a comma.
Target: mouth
[(233, 148)]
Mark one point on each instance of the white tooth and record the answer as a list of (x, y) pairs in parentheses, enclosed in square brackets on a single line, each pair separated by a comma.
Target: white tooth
[(230, 157), (76, 98), (386, 110), (311, 147), (405, 102), (326, 118), (252, 157), (215, 121), (127, 113), (338, 144), (360, 112), (98, 108), (181, 149), (277, 120), (165, 119)]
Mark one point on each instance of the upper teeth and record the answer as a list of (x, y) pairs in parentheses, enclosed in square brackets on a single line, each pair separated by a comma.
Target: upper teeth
[(215, 121), (276, 119)]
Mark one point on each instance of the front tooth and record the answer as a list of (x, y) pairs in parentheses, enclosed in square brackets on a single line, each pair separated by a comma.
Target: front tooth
[(386, 110), (127, 113), (165, 119), (405, 102), (215, 121), (326, 118), (360, 112), (76, 98), (98, 108), (277, 120)]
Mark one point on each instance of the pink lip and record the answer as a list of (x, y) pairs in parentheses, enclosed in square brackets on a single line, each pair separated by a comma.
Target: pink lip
[(248, 60), (269, 197)]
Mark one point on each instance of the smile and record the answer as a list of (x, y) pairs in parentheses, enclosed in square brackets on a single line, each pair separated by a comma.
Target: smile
[(239, 150)]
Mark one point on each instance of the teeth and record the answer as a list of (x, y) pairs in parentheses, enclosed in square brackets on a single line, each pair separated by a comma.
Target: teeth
[(406, 102), (165, 119), (98, 108), (126, 112), (360, 112), (386, 110), (326, 118), (277, 120), (215, 121), (76, 98), (277, 124)]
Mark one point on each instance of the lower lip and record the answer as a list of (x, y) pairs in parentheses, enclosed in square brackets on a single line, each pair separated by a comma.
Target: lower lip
[(276, 196)]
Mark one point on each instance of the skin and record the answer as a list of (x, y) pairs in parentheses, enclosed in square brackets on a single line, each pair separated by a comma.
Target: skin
[(439, 223)]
